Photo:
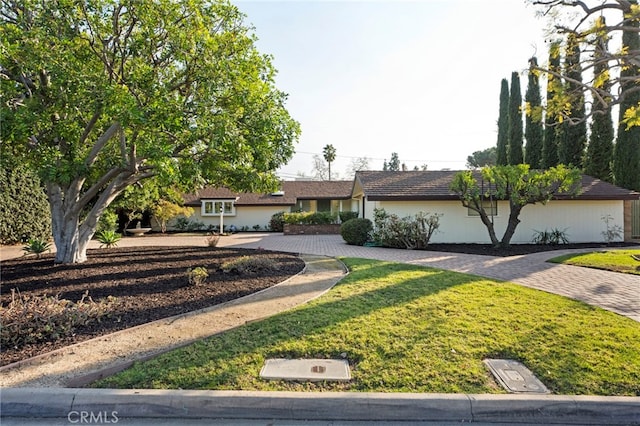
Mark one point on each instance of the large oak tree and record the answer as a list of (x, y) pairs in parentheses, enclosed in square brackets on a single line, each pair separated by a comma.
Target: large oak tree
[(98, 95)]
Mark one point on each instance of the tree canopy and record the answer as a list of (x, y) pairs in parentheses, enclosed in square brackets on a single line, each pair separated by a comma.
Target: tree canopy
[(394, 163), (533, 130), (479, 159), (101, 94), (515, 133), (586, 29), (329, 154), (518, 184), (503, 124)]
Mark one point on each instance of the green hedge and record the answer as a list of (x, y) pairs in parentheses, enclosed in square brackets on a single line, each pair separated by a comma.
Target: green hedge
[(24, 209), (310, 218)]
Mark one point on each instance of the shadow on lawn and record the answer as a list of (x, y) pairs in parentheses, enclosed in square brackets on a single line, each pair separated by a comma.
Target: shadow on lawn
[(259, 337)]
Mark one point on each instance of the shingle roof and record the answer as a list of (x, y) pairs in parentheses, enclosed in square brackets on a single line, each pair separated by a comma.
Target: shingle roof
[(434, 185), (292, 191)]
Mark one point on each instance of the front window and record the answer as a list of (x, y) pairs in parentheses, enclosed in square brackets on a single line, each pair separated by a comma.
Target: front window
[(214, 207)]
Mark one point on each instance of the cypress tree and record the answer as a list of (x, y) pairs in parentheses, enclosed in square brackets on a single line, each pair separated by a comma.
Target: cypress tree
[(24, 209), (600, 148), (626, 161), (515, 122), (574, 138), (503, 124), (533, 122), (549, 140)]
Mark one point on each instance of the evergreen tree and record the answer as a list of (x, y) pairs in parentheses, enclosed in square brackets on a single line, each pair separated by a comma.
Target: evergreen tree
[(503, 124), (600, 148), (533, 123), (574, 138), (24, 210), (394, 164), (549, 141), (515, 154), (626, 161)]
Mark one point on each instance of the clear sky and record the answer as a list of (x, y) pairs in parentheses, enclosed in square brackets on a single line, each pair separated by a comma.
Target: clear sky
[(420, 78)]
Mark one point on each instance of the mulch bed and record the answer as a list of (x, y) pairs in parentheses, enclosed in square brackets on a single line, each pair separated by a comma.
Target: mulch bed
[(149, 283)]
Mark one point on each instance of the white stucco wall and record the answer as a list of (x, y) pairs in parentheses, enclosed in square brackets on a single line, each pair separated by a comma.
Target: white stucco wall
[(582, 219), (245, 216)]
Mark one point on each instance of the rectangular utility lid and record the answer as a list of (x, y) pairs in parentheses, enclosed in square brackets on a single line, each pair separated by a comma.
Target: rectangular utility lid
[(515, 377), (306, 369)]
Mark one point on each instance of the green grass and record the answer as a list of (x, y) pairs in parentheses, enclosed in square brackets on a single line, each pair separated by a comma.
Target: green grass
[(406, 328), (614, 260)]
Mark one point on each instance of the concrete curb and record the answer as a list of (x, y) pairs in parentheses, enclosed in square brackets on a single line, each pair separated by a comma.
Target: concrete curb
[(344, 406)]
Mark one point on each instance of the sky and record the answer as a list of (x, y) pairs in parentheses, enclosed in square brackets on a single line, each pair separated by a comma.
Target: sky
[(420, 78)]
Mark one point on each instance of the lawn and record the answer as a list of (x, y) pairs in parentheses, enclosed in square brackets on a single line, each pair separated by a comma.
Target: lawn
[(406, 328), (614, 260)]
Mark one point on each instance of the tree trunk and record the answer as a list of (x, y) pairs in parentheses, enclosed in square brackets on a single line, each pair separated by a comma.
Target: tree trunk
[(511, 226), (71, 245), (71, 234), (488, 223)]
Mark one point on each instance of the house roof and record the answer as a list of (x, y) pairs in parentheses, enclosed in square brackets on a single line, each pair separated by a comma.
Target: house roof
[(289, 194), (434, 185)]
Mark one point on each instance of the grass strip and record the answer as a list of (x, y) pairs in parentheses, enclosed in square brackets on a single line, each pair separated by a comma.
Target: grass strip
[(611, 260)]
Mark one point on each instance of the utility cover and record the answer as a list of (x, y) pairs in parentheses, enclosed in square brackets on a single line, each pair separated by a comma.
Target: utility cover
[(313, 370), (515, 377)]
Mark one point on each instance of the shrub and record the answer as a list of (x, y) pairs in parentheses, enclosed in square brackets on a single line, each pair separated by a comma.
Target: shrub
[(249, 265), (345, 216), (181, 224), (24, 209), (197, 276), (612, 233), (108, 222), (184, 224), (195, 225), (553, 237), (36, 246), (310, 218), (212, 240), (356, 231), (164, 211), (108, 238), (408, 232), (277, 222), (46, 318)]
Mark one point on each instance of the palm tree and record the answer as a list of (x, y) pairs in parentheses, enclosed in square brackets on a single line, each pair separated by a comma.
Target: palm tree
[(329, 153)]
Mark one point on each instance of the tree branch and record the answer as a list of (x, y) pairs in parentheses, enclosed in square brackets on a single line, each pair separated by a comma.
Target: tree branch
[(89, 127), (100, 143)]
